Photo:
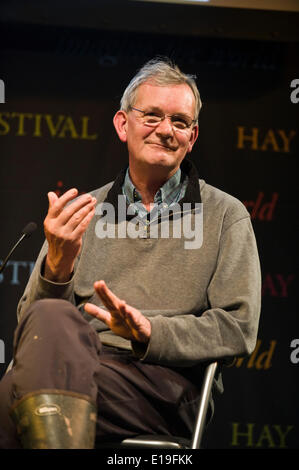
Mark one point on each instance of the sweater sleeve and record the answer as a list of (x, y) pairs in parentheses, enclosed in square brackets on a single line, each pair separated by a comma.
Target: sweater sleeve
[(228, 328), (38, 287)]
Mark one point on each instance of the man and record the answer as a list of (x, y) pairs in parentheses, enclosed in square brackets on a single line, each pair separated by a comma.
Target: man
[(161, 307)]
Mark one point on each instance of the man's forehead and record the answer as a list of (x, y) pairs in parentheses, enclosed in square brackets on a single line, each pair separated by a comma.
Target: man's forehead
[(154, 95)]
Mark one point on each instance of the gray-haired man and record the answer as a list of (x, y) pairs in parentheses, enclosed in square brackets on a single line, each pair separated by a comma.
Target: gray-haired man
[(114, 328)]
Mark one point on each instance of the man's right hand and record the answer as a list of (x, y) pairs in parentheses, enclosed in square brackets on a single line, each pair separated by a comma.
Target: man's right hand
[(64, 227)]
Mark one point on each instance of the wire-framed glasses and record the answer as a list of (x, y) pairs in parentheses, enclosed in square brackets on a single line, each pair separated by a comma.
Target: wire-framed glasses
[(154, 118)]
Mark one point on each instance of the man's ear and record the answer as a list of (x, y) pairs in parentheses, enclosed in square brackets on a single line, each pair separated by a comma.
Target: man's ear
[(120, 123), (193, 138)]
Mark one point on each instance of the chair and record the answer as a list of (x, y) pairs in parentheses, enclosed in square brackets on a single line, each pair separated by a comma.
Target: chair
[(169, 442)]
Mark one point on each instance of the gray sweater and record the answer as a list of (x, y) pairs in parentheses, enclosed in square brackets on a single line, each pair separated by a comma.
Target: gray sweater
[(203, 303)]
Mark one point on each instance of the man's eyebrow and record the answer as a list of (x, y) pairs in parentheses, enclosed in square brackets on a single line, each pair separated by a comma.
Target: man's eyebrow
[(154, 109)]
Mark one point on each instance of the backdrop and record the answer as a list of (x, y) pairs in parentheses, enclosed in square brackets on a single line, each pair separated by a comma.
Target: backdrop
[(62, 88)]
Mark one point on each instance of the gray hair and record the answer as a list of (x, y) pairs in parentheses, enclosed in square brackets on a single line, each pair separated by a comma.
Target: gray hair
[(163, 73)]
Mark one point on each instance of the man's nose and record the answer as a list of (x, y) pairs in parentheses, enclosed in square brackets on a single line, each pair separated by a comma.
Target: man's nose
[(165, 127)]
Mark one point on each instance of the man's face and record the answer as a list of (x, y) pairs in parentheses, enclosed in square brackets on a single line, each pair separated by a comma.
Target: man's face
[(162, 146)]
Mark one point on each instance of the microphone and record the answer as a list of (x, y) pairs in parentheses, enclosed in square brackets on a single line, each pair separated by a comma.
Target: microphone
[(26, 232)]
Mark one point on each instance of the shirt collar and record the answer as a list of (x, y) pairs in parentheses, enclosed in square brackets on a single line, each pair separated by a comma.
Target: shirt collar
[(192, 193), (166, 192)]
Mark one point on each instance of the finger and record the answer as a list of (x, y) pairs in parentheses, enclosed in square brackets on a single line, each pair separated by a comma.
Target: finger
[(78, 217), (57, 205), (52, 197), (110, 300), (71, 210), (121, 309), (138, 324), (130, 316), (98, 312), (83, 224), (124, 308)]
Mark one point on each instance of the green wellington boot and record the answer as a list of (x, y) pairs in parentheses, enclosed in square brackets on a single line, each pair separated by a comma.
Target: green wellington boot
[(55, 419)]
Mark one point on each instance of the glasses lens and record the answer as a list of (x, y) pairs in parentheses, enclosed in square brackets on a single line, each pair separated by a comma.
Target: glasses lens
[(151, 119), (179, 124)]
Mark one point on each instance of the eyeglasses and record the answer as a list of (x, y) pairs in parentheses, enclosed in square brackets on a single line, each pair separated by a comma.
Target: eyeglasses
[(153, 119)]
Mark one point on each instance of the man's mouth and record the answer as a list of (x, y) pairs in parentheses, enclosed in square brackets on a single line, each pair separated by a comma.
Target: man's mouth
[(167, 147)]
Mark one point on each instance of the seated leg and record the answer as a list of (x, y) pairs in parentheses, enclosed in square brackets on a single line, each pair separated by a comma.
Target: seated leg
[(61, 370), (55, 357)]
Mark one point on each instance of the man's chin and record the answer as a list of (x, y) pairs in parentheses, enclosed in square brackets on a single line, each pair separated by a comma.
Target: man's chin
[(164, 167), (162, 161), (161, 156)]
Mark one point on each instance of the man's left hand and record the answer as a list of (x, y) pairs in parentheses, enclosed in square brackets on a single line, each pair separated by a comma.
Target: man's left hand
[(122, 319)]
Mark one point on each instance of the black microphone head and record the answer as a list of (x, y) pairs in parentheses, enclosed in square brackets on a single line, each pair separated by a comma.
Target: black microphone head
[(29, 229)]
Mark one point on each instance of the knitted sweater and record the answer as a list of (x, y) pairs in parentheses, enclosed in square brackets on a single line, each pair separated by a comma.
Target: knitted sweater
[(203, 303)]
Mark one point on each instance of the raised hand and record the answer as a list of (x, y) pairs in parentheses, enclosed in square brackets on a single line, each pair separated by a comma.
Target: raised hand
[(64, 227), (122, 319)]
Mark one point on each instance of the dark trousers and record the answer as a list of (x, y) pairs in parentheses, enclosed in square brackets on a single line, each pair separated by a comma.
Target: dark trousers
[(56, 348)]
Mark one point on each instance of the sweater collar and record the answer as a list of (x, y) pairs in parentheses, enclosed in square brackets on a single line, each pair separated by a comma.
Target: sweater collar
[(192, 194)]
